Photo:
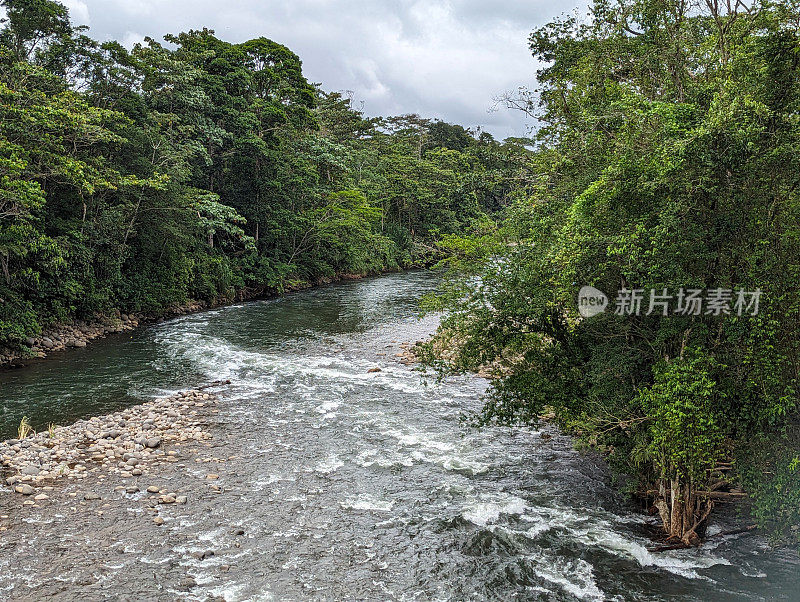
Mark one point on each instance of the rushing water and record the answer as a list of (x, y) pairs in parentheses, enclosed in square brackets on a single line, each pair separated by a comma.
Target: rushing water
[(367, 485)]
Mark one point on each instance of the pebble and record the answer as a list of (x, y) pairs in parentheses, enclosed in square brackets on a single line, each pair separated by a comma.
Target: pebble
[(124, 444), (158, 520)]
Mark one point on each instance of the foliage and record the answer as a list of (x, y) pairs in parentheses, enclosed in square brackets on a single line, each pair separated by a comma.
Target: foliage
[(201, 169), (667, 157), (684, 436)]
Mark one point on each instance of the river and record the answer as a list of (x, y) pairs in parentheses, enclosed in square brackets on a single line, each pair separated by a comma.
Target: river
[(365, 486)]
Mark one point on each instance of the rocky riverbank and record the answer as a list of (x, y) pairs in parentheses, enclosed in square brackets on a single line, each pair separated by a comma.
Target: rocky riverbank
[(67, 336), (78, 334), (82, 501), (133, 442)]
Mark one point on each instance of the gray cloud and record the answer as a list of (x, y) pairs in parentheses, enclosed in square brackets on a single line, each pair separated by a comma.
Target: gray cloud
[(440, 59)]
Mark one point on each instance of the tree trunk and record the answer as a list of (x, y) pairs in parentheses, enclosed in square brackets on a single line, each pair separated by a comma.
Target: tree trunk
[(684, 513), (4, 264)]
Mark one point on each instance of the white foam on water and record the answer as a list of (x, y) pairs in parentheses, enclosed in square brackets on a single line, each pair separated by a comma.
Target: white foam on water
[(367, 502), (407, 439), (213, 355), (262, 484), (575, 577), (432, 449), (203, 578), (372, 457), (682, 563), (148, 559), (596, 531), (491, 506), (328, 465), (752, 574), (37, 521), (328, 406), (213, 536), (220, 359), (536, 530), (464, 466)]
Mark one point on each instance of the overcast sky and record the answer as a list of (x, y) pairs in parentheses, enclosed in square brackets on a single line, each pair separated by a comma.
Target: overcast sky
[(441, 59)]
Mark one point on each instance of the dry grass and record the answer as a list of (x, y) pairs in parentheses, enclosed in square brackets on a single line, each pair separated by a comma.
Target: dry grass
[(25, 429)]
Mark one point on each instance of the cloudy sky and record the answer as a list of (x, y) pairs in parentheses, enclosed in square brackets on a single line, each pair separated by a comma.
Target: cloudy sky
[(445, 59)]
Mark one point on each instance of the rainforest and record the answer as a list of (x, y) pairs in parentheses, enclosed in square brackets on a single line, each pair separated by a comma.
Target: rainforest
[(183, 173)]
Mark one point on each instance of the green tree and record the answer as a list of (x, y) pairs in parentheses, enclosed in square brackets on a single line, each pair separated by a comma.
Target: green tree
[(667, 158)]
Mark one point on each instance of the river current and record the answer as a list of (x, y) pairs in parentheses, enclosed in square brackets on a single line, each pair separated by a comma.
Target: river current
[(367, 485)]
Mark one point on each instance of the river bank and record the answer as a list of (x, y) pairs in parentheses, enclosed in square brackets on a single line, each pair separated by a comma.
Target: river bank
[(130, 443), (77, 334), (103, 493)]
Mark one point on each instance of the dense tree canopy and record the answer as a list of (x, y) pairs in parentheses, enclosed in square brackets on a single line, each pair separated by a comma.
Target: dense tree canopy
[(202, 169), (668, 158)]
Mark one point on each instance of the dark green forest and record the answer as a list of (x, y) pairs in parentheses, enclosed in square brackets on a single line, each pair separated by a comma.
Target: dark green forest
[(197, 169), (667, 156)]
